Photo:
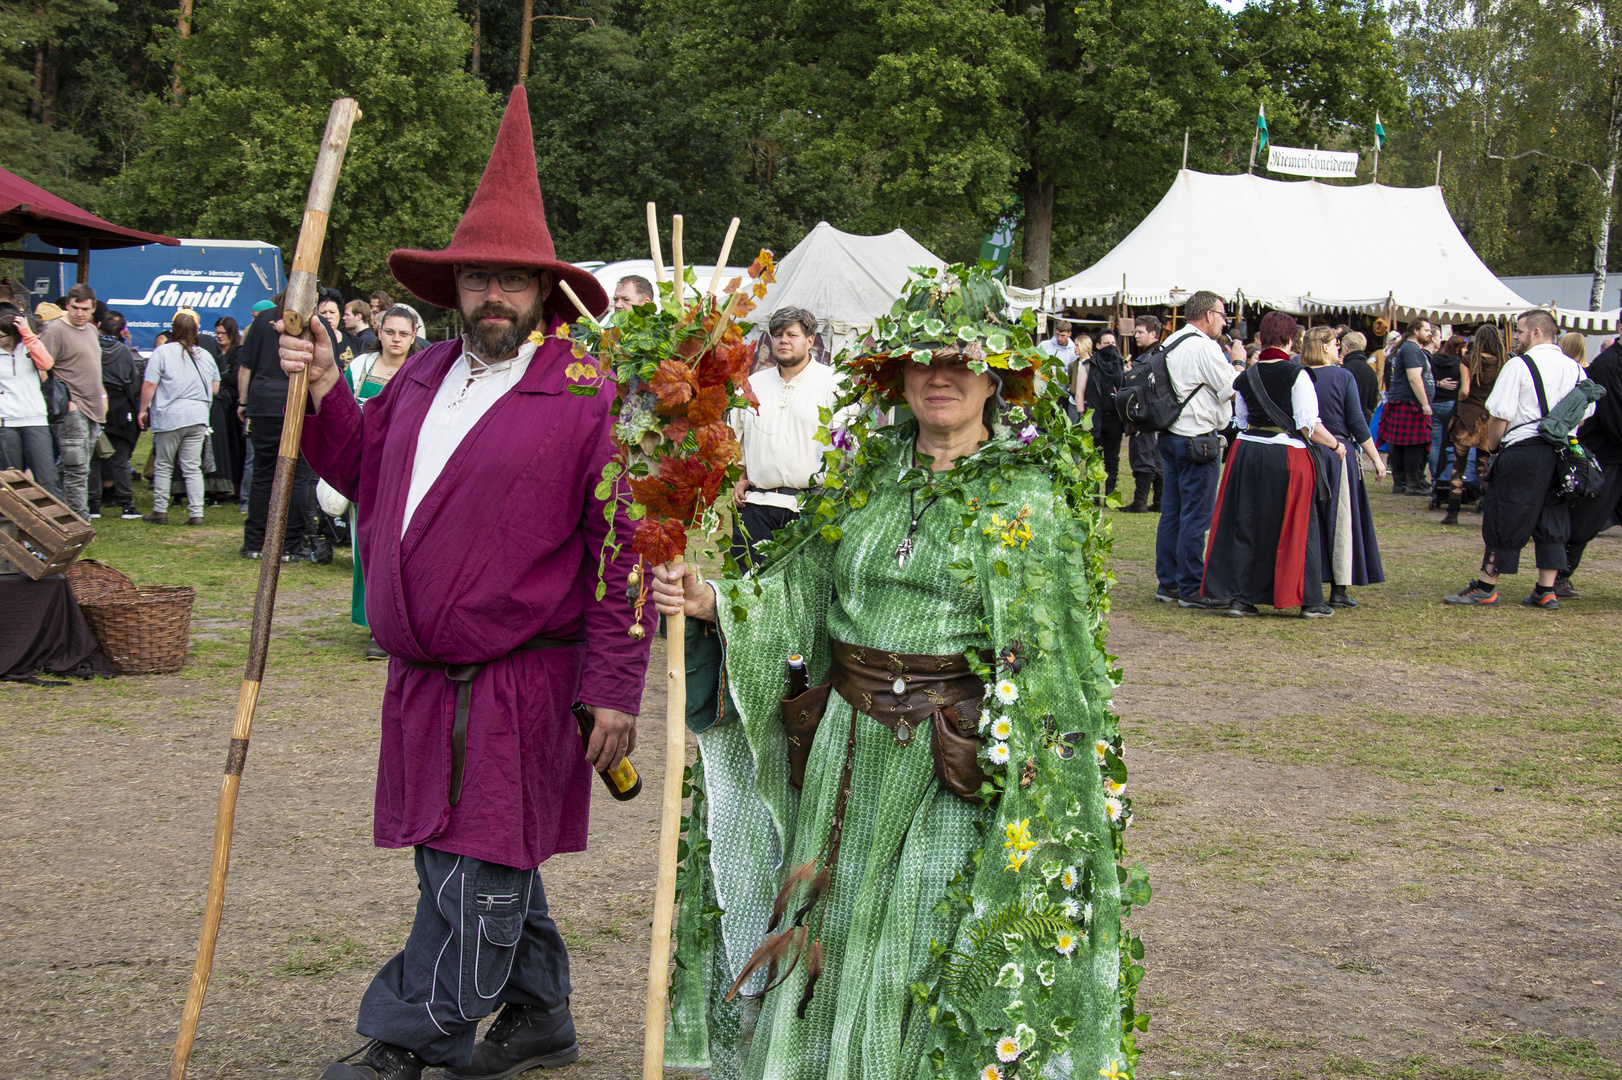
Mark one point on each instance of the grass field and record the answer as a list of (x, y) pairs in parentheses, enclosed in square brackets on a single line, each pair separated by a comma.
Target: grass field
[(1383, 844)]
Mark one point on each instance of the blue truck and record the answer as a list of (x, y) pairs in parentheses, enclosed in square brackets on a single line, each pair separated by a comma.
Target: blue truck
[(147, 283)]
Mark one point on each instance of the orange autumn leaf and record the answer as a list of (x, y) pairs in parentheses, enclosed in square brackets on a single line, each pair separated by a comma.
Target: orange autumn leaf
[(677, 430), (728, 360), (709, 406), (659, 541), (733, 286), (717, 444), (673, 384)]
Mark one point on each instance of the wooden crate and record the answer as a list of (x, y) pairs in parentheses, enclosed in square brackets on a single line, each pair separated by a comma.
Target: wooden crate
[(55, 535)]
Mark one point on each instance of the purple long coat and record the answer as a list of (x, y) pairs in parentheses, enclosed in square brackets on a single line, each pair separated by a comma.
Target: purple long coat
[(503, 547)]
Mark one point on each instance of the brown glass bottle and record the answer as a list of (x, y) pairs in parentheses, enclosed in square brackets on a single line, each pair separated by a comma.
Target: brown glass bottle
[(622, 781)]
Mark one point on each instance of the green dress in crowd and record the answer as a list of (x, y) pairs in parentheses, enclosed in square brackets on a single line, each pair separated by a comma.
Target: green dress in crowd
[(919, 870), (370, 386)]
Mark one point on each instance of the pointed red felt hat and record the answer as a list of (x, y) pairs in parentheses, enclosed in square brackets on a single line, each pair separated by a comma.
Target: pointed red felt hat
[(505, 224)]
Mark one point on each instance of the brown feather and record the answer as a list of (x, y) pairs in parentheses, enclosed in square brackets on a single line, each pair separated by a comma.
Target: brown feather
[(813, 972), (801, 874), (813, 894), (769, 953)]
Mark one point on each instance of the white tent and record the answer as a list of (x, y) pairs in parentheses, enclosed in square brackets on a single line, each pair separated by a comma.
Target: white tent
[(1301, 247), (845, 280)]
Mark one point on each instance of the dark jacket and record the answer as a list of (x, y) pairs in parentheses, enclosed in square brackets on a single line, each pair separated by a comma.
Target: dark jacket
[(121, 374), (1106, 371), (1602, 432), (1368, 382)]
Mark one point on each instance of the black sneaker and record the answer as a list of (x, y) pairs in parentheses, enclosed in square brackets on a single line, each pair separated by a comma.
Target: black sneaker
[(374, 651), (1476, 594), (250, 553), (522, 1038), (130, 514), (1317, 611), (1564, 589), (1239, 609), (1544, 601), (1165, 595), (1201, 603), (382, 1062)]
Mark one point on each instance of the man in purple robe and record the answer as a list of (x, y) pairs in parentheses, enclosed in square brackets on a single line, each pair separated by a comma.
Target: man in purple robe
[(476, 471)]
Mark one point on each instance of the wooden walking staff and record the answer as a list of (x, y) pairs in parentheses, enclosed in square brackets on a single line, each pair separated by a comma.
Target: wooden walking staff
[(664, 894), (300, 308)]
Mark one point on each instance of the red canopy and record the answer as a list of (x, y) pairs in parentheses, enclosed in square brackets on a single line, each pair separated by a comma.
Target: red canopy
[(27, 208)]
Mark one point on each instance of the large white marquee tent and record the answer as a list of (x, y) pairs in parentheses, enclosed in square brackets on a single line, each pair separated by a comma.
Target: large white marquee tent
[(845, 280), (1301, 247)]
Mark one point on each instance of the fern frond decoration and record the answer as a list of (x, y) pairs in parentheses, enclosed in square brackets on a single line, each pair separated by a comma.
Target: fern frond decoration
[(966, 973)]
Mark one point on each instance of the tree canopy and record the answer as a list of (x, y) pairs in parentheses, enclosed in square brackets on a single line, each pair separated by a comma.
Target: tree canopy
[(938, 116)]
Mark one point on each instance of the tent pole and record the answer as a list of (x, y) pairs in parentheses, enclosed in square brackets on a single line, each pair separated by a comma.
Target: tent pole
[(1185, 148), (1251, 168), (83, 268), (1438, 168)]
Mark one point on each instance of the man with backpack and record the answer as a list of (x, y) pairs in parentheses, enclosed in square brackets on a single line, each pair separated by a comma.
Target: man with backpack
[(1201, 380), (1521, 503), (1143, 444)]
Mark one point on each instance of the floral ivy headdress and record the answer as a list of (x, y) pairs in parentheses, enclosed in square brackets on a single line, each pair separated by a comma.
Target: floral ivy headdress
[(958, 312)]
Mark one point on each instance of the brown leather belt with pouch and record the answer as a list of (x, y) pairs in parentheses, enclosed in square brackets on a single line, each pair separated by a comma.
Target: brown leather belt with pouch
[(902, 691), (463, 675)]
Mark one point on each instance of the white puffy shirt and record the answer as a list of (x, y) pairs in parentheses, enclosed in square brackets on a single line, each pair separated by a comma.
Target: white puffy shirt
[(779, 439), (1515, 399)]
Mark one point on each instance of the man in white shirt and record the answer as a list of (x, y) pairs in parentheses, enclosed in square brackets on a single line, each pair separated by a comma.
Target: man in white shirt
[(1060, 344), (1517, 507), (1197, 367), (779, 439)]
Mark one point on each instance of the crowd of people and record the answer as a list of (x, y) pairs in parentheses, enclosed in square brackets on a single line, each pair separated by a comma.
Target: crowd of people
[(1265, 468)]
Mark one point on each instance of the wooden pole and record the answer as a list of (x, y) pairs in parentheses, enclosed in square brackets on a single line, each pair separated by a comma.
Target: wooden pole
[(721, 263), (653, 244), (664, 894), (82, 262), (301, 297), (676, 263), (526, 27)]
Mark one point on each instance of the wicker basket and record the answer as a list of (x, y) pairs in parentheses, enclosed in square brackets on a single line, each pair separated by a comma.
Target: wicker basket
[(143, 629)]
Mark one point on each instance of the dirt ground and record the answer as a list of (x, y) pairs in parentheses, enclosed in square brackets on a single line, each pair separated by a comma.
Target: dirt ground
[(1325, 903)]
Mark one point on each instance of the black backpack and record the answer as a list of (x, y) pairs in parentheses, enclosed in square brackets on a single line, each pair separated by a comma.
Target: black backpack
[(1146, 400)]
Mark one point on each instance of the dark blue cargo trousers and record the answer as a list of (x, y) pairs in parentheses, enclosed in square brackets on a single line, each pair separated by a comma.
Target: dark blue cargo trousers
[(482, 938)]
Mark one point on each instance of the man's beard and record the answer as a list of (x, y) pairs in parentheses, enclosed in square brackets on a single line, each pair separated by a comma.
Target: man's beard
[(492, 343), (791, 361)]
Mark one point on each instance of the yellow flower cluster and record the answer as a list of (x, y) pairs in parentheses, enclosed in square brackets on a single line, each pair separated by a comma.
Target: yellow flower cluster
[(1019, 844), (1015, 533)]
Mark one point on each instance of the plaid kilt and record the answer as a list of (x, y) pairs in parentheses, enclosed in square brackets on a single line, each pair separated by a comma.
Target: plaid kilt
[(1403, 423)]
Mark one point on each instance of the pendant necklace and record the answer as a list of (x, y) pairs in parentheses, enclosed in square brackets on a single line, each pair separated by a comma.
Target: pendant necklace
[(903, 550)]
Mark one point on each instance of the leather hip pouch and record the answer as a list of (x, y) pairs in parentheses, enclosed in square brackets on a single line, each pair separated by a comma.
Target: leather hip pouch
[(903, 691)]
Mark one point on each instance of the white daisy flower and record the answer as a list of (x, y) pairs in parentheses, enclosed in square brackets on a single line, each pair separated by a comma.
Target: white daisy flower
[(1069, 879), (1008, 1049), (1071, 909), (1100, 748), (1002, 728), (998, 753), (1114, 787), (985, 720), (1114, 808), (991, 1072), (1007, 692), (1087, 913), (1065, 944)]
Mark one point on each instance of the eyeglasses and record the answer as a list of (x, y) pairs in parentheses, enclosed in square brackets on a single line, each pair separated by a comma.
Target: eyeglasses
[(509, 280)]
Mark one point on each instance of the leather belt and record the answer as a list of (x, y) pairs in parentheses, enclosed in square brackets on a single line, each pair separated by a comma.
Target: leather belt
[(778, 490), (463, 675), (903, 690)]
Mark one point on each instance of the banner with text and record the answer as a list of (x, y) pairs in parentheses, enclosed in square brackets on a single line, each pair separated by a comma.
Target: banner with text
[(1296, 162)]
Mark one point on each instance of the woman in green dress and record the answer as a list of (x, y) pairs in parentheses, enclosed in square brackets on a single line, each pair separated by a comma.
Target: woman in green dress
[(929, 882), (367, 375)]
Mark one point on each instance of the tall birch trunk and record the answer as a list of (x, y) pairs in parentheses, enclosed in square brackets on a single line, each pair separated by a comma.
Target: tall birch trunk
[(1602, 235)]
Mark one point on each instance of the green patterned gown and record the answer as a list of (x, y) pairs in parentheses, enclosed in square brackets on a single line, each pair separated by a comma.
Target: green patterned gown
[(919, 870)]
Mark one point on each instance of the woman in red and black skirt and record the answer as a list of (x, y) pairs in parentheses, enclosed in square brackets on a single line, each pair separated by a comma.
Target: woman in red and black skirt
[(1264, 531), (1405, 421)]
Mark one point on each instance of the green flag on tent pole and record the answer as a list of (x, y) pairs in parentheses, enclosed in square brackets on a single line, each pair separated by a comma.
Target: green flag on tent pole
[(1379, 132), (1261, 128)]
